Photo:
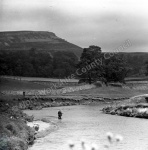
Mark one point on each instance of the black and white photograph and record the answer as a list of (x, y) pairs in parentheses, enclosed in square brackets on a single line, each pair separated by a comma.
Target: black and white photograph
[(73, 75)]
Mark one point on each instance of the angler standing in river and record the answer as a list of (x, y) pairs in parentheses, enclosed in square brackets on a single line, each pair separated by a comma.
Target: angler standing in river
[(60, 114)]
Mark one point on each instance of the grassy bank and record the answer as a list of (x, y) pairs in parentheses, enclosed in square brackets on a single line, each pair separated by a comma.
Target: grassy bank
[(110, 92), (15, 134)]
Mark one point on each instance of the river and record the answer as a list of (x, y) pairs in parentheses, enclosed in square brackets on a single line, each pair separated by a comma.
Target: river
[(89, 123)]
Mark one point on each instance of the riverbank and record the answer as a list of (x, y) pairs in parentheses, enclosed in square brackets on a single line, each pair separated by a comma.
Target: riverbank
[(45, 127), (18, 130), (44, 102), (134, 107), (15, 134)]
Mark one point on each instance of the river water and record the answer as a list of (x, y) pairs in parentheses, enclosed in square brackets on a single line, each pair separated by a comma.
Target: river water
[(90, 124)]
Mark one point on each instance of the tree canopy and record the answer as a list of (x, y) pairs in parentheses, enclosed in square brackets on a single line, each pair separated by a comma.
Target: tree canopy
[(89, 64), (37, 63), (95, 66)]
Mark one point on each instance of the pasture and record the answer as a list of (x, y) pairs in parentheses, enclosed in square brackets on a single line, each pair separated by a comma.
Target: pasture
[(132, 88)]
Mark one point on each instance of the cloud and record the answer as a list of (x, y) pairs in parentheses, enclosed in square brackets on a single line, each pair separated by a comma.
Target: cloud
[(106, 23)]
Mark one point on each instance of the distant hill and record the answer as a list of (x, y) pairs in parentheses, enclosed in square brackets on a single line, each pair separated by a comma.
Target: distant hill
[(41, 40)]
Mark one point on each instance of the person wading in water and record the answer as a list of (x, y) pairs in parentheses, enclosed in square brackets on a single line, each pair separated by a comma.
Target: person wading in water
[(59, 114)]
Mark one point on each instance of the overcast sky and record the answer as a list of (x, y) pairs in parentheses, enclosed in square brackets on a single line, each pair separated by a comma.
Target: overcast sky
[(105, 23)]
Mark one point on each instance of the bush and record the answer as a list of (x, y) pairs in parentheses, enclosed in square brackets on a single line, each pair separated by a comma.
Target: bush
[(15, 143), (3, 143), (146, 98), (13, 128), (98, 84), (29, 118)]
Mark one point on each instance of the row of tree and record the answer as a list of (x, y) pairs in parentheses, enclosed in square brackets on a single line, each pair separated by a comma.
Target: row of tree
[(111, 67), (37, 63), (93, 64)]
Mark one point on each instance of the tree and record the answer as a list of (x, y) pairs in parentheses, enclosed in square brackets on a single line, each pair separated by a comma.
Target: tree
[(89, 64), (64, 64), (115, 69), (60, 73), (94, 66)]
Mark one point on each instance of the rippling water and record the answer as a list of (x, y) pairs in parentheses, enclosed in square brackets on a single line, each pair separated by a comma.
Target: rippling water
[(87, 122)]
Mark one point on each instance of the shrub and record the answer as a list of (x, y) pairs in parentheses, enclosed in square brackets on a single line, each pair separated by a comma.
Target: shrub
[(146, 98), (98, 84), (15, 143), (3, 143), (13, 128), (29, 118)]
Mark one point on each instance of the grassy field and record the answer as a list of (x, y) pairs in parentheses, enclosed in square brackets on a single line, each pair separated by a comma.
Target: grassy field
[(110, 91), (10, 84), (39, 79)]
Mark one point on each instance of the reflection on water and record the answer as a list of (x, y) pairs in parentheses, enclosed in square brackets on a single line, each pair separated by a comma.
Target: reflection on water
[(87, 122)]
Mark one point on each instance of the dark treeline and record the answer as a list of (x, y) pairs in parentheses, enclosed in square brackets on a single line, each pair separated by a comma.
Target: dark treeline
[(137, 62), (37, 63), (106, 69), (110, 67), (62, 64)]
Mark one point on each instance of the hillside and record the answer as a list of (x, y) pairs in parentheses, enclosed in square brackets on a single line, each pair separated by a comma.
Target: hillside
[(41, 40)]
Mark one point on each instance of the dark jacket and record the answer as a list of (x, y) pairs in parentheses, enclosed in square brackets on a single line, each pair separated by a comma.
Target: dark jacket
[(59, 113)]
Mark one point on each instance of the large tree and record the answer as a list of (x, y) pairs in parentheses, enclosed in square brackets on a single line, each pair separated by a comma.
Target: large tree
[(115, 69), (93, 65), (89, 64)]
